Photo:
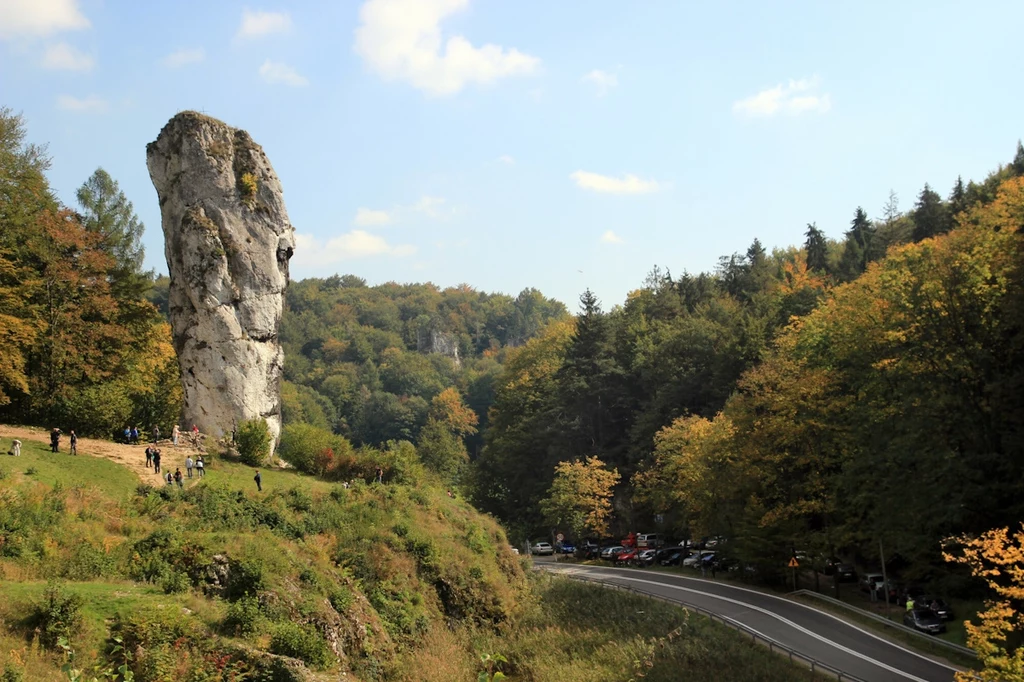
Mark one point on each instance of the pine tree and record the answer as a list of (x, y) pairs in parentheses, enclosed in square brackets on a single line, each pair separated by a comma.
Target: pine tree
[(931, 216), (1018, 160), (817, 249), (957, 198), (854, 259), (107, 212)]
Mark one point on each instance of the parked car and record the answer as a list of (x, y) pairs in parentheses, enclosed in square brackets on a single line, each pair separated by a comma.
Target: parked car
[(845, 573), (566, 547), (937, 605), (673, 557), (624, 558), (695, 559), (515, 550), (588, 551), (543, 549), (645, 557), (924, 620), (868, 581), (649, 541), (610, 553)]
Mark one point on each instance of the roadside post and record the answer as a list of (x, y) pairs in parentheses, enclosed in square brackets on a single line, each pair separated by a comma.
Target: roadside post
[(794, 564)]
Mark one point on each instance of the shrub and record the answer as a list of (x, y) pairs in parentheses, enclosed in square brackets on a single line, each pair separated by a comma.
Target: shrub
[(253, 442), (341, 599), (300, 642), (11, 674), (58, 615), (312, 449), (248, 185), (175, 582), (248, 578), (244, 617)]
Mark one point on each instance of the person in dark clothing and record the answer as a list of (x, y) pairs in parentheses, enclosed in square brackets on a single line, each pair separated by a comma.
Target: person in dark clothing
[(73, 440), (168, 478), (156, 461), (55, 440), (149, 456), (156, 434), (259, 481), (178, 478), (200, 467)]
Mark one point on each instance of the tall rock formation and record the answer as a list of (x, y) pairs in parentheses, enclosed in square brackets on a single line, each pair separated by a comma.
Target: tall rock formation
[(227, 240)]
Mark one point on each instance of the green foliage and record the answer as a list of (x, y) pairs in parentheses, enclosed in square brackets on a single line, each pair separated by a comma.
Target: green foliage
[(58, 616), (244, 617), (252, 439), (302, 642), (12, 674)]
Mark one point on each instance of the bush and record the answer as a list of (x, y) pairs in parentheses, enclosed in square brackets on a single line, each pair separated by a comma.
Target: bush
[(244, 617), (305, 447), (175, 582), (11, 674), (248, 578), (58, 615), (253, 442), (300, 642)]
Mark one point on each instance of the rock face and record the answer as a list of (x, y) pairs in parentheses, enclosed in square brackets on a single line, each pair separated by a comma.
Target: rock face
[(433, 341), (227, 240)]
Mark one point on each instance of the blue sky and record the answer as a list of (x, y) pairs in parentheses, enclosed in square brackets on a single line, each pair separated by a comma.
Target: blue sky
[(559, 145)]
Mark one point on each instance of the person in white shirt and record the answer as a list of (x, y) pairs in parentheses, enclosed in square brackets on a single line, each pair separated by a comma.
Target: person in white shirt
[(188, 465)]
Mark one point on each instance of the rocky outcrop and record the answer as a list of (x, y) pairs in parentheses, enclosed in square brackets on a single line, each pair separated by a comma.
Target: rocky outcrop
[(227, 240), (434, 341)]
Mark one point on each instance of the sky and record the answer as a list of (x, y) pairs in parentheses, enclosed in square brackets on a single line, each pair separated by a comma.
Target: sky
[(555, 145)]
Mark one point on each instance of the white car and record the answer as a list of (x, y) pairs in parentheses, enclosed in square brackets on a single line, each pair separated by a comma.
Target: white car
[(542, 549)]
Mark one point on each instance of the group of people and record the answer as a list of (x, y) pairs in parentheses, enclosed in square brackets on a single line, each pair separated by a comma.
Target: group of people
[(55, 435), (153, 456)]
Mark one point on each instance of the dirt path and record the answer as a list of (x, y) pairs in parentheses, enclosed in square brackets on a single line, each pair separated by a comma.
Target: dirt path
[(131, 456)]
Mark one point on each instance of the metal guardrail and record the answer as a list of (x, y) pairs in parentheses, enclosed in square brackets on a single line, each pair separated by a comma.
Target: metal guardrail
[(885, 621), (755, 636)]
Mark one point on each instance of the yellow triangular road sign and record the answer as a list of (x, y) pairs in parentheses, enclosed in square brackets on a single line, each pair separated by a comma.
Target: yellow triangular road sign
[(793, 563)]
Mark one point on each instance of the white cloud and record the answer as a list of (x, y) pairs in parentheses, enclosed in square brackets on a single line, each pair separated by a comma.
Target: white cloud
[(794, 97), (92, 103), (610, 237), (184, 57), (35, 18), (603, 81), (368, 217), (627, 184), (310, 252), (506, 159), (429, 206), (401, 39), (276, 73), (259, 24), (64, 57)]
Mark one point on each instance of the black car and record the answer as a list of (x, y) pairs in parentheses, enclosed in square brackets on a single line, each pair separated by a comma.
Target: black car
[(845, 573), (924, 620), (674, 558), (937, 606)]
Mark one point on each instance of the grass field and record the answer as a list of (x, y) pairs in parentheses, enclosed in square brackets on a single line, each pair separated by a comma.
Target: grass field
[(39, 464)]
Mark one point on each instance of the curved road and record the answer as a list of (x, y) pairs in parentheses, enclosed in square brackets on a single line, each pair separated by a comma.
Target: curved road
[(811, 632)]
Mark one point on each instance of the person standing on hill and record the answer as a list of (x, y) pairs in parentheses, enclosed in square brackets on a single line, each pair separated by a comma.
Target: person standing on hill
[(178, 478), (259, 481), (380, 475), (134, 435), (73, 440), (156, 434), (200, 467), (188, 465), (175, 432), (55, 440), (16, 448), (156, 461), (168, 478), (149, 456), (127, 435)]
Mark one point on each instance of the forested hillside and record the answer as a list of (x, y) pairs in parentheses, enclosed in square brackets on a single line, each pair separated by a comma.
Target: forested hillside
[(824, 397)]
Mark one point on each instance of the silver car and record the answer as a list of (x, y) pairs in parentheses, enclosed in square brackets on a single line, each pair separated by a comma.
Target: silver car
[(542, 549)]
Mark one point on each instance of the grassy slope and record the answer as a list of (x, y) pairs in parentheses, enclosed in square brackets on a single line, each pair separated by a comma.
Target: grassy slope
[(408, 583)]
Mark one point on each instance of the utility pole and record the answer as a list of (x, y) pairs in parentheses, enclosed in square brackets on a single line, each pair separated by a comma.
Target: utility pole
[(885, 578)]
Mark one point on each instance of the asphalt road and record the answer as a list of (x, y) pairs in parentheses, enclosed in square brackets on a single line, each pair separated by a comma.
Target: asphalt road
[(811, 632)]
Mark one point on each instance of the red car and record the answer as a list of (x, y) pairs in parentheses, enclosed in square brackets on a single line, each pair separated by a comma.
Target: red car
[(625, 557)]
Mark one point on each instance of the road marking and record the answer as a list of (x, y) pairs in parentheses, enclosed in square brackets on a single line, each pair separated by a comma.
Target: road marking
[(782, 619), (859, 629)]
